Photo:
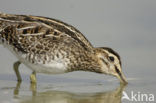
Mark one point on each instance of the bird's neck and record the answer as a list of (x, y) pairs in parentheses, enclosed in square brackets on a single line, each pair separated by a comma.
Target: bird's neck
[(89, 62)]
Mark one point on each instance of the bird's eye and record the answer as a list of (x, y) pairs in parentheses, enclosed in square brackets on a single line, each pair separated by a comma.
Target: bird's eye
[(111, 58)]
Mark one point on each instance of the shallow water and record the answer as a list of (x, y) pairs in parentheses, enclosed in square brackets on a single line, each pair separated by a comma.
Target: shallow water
[(60, 90), (128, 27)]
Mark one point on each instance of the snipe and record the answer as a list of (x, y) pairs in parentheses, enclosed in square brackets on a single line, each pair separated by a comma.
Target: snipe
[(50, 46)]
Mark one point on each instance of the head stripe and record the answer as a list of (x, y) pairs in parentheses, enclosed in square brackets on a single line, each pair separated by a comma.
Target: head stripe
[(113, 52)]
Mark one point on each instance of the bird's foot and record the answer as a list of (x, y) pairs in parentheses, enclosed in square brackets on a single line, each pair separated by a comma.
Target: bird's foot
[(33, 77)]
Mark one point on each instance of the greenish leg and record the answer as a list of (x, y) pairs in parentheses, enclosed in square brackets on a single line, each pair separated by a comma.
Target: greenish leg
[(16, 90), (33, 88), (16, 67), (33, 77)]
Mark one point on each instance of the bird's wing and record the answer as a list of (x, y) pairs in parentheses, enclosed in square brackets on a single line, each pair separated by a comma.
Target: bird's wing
[(33, 30)]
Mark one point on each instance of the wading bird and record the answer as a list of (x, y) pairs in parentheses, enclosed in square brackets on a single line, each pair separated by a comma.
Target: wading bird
[(50, 46)]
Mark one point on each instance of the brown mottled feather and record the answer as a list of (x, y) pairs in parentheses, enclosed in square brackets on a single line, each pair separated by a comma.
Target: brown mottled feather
[(48, 28)]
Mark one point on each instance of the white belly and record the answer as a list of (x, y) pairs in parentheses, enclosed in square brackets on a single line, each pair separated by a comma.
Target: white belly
[(51, 68)]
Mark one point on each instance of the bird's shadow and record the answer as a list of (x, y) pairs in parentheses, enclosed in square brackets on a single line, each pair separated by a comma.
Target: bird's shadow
[(53, 96)]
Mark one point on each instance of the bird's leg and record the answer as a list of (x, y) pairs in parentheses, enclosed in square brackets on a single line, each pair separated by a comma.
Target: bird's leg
[(16, 90), (33, 88), (16, 66), (33, 83), (33, 77)]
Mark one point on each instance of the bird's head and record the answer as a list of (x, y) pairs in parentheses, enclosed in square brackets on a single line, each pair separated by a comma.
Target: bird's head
[(110, 63)]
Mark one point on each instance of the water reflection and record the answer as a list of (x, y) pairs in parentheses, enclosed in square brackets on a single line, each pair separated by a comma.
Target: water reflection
[(52, 96)]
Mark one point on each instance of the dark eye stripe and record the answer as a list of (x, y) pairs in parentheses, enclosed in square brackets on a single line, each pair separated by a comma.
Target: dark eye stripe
[(113, 52), (104, 61)]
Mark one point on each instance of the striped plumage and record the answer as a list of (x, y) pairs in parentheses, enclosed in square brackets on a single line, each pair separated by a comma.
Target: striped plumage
[(51, 46)]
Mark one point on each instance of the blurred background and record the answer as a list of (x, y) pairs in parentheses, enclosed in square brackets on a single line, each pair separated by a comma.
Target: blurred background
[(127, 26)]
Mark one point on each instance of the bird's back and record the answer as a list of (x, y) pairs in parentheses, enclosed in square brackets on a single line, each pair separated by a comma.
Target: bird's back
[(15, 29)]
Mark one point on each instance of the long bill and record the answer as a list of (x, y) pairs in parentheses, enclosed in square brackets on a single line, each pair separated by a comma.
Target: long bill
[(122, 79), (121, 76)]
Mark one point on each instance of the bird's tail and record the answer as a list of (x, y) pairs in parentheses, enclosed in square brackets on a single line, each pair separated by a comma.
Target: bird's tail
[(0, 28), (2, 16), (1, 25), (4, 22)]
